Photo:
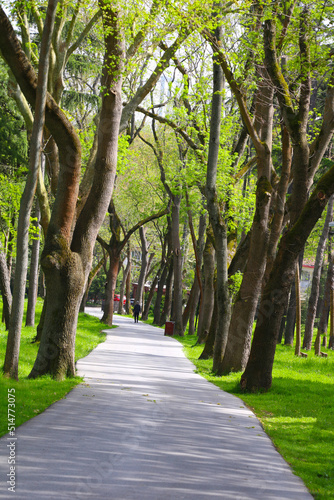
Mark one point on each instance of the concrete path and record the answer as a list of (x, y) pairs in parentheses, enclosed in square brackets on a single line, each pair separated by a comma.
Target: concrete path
[(145, 426)]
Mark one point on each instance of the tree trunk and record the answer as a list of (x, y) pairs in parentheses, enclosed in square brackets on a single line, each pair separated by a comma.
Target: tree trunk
[(67, 256), (258, 372), (313, 299), (207, 303), (91, 277), (123, 286), (151, 294), (5, 289), (15, 324), (177, 259), (207, 352), (128, 282), (331, 333), (112, 273), (325, 310), (289, 333), (190, 309), (157, 305), (298, 312), (143, 269), (33, 275), (165, 315), (244, 309), (216, 219)]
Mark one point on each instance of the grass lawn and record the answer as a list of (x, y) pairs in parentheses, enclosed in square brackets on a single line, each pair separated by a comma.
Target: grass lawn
[(34, 396), (297, 413)]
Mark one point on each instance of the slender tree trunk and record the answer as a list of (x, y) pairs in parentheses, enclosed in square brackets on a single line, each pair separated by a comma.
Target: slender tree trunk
[(177, 259), (325, 310), (157, 305), (67, 256), (91, 277), (313, 299), (15, 325), (151, 294), (215, 215), (33, 276), (331, 333), (190, 309), (114, 257), (5, 289), (298, 313), (290, 318), (128, 282), (143, 269)]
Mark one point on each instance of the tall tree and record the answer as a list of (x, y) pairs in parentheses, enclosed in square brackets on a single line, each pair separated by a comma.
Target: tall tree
[(14, 332), (314, 295), (303, 213)]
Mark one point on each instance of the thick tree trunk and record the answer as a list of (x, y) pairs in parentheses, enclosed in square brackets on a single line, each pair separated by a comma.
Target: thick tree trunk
[(64, 290), (258, 372), (207, 352), (244, 309), (5, 289), (207, 303), (165, 315), (313, 299)]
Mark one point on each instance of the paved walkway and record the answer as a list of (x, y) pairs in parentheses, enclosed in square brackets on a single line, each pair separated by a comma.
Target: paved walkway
[(145, 426)]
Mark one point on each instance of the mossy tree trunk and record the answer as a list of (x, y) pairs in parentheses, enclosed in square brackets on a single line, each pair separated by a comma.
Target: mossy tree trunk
[(207, 302), (314, 295)]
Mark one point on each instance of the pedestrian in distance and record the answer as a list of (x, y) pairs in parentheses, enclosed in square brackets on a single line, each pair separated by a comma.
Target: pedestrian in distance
[(136, 311)]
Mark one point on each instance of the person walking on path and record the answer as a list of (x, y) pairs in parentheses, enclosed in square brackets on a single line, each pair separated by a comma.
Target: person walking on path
[(136, 311)]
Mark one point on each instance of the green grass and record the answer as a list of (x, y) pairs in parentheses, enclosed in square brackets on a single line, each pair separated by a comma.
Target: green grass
[(34, 396), (297, 413)]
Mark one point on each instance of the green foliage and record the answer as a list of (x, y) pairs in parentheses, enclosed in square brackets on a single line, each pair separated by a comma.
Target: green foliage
[(297, 413)]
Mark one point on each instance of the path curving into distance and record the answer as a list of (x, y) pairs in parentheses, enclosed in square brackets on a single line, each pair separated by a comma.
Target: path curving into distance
[(144, 426)]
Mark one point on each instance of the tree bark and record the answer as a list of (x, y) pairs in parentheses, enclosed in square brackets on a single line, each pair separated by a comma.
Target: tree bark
[(166, 311), (298, 312), (216, 219), (207, 352), (5, 289), (15, 324), (207, 303), (143, 269), (33, 275), (66, 259), (314, 295), (177, 260)]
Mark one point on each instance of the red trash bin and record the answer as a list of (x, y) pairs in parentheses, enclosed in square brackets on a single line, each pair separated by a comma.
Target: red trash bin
[(169, 327)]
